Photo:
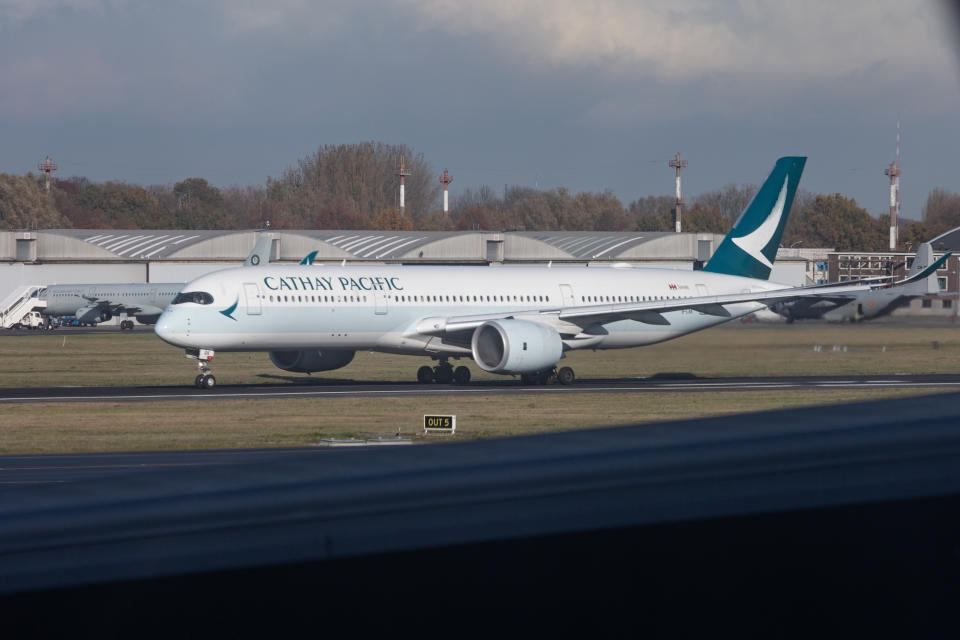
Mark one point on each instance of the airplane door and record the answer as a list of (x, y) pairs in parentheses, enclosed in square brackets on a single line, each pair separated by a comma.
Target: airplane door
[(701, 289), (252, 292), (379, 303), (566, 294)]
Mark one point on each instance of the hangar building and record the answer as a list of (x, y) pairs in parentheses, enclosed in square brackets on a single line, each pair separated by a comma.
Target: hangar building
[(70, 256)]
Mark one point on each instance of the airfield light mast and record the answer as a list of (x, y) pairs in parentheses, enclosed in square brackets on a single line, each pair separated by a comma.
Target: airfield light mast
[(446, 179), (894, 172), (677, 164), (46, 167), (403, 173)]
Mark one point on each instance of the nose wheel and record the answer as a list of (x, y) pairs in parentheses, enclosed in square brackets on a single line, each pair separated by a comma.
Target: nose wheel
[(204, 379)]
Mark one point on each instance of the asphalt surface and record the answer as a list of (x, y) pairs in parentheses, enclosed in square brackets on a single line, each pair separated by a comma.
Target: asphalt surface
[(341, 389), (17, 471), (76, 519)]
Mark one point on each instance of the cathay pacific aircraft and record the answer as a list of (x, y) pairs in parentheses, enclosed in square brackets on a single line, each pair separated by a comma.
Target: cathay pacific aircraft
[(510, 320)]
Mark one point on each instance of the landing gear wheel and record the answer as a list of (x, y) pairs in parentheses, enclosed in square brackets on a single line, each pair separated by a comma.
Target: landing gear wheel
[(461, 375), (546, 377), (443, 373), (528, 378), (425, 374), (565, 375), (209, 382), (198, 381)]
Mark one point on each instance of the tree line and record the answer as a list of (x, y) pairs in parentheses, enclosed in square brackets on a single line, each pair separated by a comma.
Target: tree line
[(354, 186)]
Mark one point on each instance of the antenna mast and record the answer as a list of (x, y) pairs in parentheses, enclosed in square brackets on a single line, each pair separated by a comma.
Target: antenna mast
[(893, 171), (46, 167), (403, 173), (677, 164), (446, 179)]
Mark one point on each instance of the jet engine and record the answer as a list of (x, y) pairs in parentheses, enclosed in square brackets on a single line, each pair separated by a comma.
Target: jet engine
[(93, 315), (515, 346), (310, 361)]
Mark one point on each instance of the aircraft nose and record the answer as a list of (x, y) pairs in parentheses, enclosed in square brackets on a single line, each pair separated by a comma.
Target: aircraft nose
[(171, 327)]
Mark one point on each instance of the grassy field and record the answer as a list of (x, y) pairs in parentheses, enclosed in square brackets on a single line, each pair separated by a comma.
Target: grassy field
[(61, 359)]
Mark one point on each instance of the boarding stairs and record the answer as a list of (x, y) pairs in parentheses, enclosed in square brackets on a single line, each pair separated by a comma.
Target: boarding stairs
[(19, 303)]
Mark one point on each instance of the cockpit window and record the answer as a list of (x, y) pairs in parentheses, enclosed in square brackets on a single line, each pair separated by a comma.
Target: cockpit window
[(197, 297)]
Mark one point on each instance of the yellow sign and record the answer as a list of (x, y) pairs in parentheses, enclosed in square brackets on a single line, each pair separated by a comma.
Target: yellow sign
[(439, 424)]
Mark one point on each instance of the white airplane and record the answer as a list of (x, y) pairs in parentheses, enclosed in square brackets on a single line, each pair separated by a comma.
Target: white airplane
[(865, 305), (145, 301), (512, 320)]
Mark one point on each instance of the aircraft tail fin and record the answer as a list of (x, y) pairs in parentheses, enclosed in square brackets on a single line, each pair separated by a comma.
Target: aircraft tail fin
[(921, 261), (309, 258), (261, 252), (751, 246)]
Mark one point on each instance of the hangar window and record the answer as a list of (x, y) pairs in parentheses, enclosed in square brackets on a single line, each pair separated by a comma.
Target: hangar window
[(197, 297)]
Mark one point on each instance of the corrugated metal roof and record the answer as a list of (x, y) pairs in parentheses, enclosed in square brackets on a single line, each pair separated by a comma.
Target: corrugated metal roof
[(160, 244), (587, 245)]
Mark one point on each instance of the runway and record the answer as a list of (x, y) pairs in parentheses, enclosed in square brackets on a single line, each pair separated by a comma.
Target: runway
[(349, 389)]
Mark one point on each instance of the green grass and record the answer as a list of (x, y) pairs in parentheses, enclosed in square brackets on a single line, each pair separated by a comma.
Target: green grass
[(239, 423), (113, 358), (140, 358)]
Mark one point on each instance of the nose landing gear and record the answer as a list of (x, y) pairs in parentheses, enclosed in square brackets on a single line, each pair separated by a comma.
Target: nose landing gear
[(204, 379)]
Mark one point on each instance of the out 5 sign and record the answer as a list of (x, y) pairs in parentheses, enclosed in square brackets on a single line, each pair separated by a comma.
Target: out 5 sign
[(439, 424)]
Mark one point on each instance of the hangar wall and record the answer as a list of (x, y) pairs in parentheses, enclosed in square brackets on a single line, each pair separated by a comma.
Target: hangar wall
[(67, 256)]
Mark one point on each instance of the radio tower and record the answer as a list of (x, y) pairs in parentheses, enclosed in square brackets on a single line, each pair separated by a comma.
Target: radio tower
[(677, 164), (894, 172), (46, 167), (403, 173), (446, 179)]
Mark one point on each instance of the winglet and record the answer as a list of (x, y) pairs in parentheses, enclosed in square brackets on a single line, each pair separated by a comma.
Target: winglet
[(309, 258), (920, 275), (261, 252)]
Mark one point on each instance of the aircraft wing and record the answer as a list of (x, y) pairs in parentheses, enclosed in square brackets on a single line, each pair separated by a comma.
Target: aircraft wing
[(651, 312), (571, 320), (118, 308)]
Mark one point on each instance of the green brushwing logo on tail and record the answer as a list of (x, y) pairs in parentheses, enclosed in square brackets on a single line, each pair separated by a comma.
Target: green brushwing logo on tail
[(751, 246)]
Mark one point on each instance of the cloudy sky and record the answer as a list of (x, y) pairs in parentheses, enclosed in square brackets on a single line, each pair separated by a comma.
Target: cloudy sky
[(586, 95)]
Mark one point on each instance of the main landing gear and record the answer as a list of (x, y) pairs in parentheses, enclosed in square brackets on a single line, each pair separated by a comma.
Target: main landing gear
[(443, 373), (563, 375), (204, 379)]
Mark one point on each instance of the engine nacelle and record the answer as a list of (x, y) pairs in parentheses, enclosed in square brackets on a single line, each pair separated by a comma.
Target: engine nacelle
[(515, 346), (93, 315), (310, 361)]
